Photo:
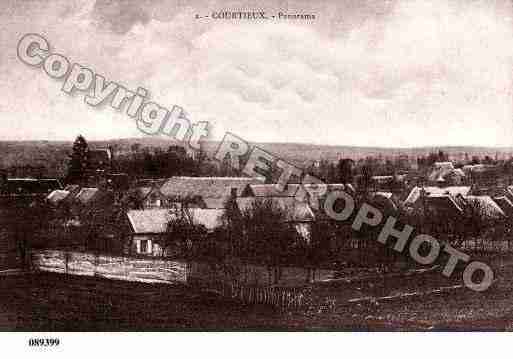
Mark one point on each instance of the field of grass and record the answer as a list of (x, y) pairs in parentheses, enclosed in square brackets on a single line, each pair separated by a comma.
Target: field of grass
[(55, 302)]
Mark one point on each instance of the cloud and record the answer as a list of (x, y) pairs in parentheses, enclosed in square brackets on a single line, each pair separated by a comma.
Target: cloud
[(396, 73)]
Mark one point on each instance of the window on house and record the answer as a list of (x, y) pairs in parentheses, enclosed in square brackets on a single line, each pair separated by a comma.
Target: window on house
[(144, 246)]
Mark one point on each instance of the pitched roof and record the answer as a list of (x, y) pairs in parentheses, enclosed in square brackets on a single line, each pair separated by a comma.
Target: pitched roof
[(485, 206), (291, 190), (505, 204), (271, 190), (295, 211), (212, 187), (509, 192), (209, 218), (445, 164), (87, 195), (214, 203), (55, 197), (474, 168), (150, 220), (414, 195)]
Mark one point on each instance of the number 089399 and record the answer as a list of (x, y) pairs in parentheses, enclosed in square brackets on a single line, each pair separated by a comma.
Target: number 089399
[(43, 342)]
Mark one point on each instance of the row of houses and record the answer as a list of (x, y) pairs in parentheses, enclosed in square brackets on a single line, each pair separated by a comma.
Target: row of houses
[(441, 174), (445, 174), (453, 200), (151, 204)]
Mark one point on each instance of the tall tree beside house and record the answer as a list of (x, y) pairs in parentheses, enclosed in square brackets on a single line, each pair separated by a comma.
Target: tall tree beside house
[(78, 163), (269, 236), (183, 235)]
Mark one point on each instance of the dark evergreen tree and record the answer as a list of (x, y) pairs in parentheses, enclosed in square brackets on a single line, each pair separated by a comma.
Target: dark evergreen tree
[(78, 164)]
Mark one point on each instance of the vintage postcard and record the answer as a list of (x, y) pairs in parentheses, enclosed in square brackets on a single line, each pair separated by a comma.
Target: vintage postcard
[(242, 166)]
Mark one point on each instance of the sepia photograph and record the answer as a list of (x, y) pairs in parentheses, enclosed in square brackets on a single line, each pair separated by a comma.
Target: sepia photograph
[(255, 166)]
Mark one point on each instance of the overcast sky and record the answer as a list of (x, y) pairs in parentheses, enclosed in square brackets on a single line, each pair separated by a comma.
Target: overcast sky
[(369, 73)]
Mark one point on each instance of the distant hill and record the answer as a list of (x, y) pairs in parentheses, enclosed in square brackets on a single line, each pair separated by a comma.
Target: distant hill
[(303, 154), (54, 154)]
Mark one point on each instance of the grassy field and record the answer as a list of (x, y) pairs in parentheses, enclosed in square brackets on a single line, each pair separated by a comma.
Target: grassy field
[(53, 302)]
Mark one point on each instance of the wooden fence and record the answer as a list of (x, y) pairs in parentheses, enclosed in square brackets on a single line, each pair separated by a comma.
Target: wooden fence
[(286, 288), (246, 283), (111, 267)]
